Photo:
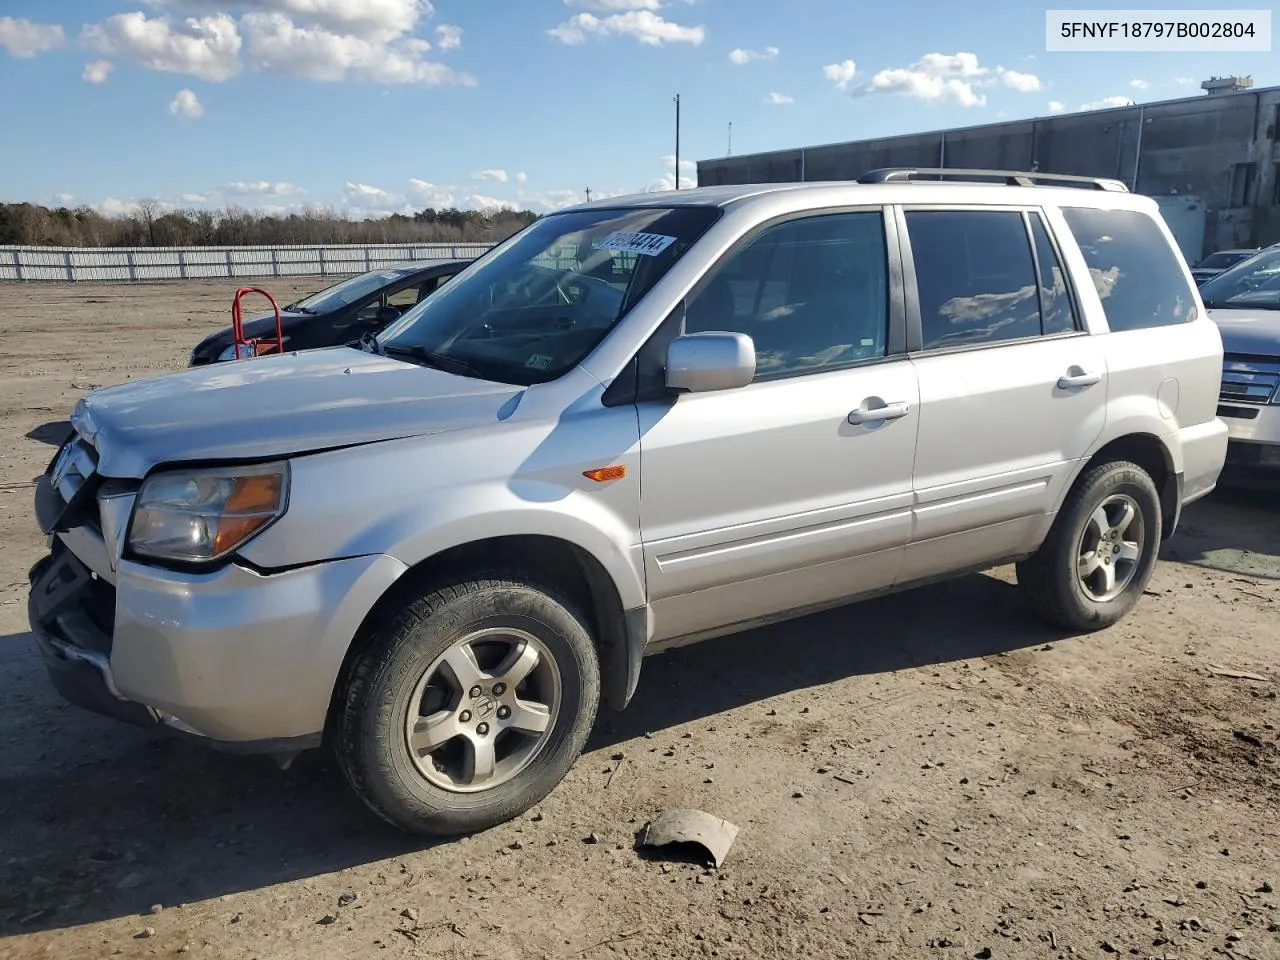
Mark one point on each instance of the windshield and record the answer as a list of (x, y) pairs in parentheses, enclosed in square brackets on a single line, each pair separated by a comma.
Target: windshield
[(349, 290), (1220, 261), (1253, 283), (530, 310)]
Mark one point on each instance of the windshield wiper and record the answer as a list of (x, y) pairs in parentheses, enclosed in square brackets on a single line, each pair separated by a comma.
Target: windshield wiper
[(429, 358), (294, 308)]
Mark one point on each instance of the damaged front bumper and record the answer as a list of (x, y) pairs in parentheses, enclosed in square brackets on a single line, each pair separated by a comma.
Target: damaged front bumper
[(241, 659)]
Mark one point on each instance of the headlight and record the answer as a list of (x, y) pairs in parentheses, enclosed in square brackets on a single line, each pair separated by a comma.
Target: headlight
[(194, 516), (230, 353)]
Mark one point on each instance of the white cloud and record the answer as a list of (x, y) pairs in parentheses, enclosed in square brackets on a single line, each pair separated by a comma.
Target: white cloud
[(64, 199), (370, 198), (477, 201), (558, 199), (643, 25), (448, 37), (670, 161), (22, 38), (425, 194), (1022, 82), (205, 47), (288, 209), (741, 56), (262, 188), (1139, 84), (840, 73), (774, 99), (615, 4), (521, 177), (278, 45), (941, 77), (194, 197), (498, 175), (1056, 106), (1106, 102), (97, 71), (375, 20), (667, 182), (186, 105), (112, 207), (1183, 81)]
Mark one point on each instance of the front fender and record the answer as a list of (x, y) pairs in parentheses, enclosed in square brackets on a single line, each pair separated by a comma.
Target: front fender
[(414, 498), (452, 521)]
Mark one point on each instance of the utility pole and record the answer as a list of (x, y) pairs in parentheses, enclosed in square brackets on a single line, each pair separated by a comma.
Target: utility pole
[(588, 194), (731, 138), (677, 141)]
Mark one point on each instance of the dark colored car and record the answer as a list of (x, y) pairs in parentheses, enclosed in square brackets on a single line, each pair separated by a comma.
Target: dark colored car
[(1215, 263), (338, 314)]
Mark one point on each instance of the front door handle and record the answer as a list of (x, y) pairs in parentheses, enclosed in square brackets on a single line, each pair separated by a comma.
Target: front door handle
[(890, 411), (1082, 378)]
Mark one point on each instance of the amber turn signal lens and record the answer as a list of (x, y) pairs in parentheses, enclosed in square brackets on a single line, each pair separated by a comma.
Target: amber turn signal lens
[(251, 505), (601, 474), (254, 493)]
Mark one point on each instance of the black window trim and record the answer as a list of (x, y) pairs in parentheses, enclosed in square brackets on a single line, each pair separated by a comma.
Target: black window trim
[(1077, 320), (915, 328), (626, 386)]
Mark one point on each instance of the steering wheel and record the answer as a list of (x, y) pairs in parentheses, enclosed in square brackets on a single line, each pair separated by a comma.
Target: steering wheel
[(576, 285)]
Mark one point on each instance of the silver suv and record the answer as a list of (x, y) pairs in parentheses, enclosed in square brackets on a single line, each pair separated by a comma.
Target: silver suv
[(637, 423)]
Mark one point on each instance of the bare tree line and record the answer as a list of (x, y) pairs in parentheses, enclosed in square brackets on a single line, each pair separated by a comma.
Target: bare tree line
[(153, 224)]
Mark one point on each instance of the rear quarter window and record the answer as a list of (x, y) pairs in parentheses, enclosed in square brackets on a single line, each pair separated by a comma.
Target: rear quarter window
[(1134, 269)]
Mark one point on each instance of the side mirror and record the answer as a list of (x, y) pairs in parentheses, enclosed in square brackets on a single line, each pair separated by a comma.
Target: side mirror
[(700, 362), (386, 316)]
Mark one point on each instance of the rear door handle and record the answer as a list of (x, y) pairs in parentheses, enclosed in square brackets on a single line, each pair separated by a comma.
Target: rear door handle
[(1082, 379), (890, 411)]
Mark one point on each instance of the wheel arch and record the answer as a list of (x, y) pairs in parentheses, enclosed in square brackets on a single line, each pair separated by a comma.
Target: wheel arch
[(557, 564), (1153, 455)]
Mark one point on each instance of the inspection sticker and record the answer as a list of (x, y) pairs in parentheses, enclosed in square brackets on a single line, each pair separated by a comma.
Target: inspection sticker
[(538, 361), (649, 244)]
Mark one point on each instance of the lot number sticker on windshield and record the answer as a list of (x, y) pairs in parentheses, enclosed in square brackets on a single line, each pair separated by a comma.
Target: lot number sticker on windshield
[(624, 241), (538, 361)]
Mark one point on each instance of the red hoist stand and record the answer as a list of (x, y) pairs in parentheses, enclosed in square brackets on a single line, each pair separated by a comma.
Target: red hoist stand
[(254, 347)]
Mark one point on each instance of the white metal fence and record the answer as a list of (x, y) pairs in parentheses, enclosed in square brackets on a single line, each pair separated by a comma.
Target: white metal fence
[(217, 263)]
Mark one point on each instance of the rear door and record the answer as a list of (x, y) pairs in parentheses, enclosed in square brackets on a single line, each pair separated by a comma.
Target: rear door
[(1012, 389), (794, 490)]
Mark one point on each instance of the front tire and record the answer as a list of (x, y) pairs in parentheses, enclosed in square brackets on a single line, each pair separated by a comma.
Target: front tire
[(1101, 551), (469, 707)]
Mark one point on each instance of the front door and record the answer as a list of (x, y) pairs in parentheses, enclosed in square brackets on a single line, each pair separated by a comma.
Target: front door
[(795, 490)]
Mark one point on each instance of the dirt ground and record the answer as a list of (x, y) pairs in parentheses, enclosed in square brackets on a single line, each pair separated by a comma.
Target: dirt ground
[(927, 775)]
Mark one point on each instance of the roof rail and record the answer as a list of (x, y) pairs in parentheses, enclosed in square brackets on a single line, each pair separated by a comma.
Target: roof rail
[(1019, 178)]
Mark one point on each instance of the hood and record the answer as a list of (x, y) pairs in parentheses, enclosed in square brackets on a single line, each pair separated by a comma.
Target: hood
[(1252, 332), (276, 406)]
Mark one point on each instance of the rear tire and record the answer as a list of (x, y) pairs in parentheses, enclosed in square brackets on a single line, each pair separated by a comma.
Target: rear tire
[(469, 707), (1100, 553)]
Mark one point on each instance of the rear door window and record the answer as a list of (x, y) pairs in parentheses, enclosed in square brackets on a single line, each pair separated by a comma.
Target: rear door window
[(975, 276), (1134, 269)]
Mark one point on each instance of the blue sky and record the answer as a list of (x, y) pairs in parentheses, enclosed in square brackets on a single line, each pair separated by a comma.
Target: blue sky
[(374, 106)]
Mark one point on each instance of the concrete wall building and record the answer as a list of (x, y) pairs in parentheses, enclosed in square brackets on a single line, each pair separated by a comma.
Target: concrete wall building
[(1212, 161)]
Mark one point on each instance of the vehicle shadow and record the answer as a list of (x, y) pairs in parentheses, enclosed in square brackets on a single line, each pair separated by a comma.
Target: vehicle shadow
[(52, 432), (954, 620), (99, 820), (1232, 531)]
